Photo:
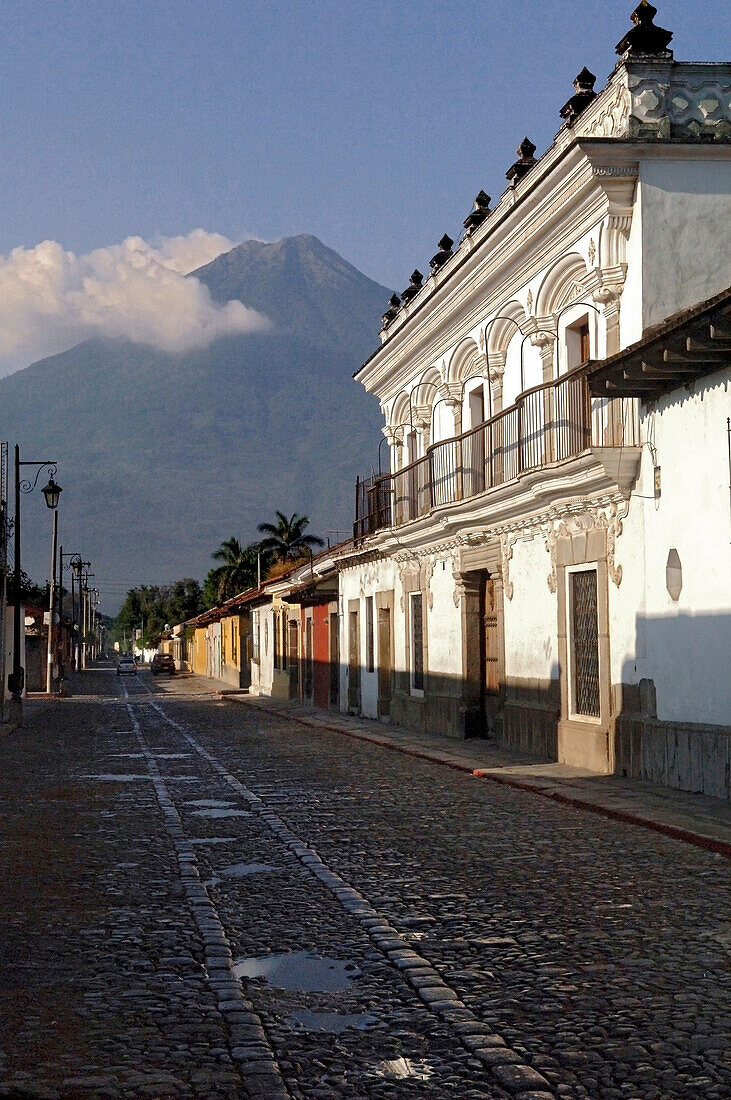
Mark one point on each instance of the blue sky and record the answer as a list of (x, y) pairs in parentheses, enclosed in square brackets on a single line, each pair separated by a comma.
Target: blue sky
[(369, 123)]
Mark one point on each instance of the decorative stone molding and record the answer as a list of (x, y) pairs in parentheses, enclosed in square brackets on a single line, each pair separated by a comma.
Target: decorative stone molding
[(464, 584), (422, 416), (613, 522), (427, 575), (608, 115), (656, 99), (593, 518), (506, 553), (394, 435)]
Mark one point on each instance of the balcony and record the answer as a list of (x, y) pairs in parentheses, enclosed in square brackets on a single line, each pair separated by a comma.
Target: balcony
[(547, 425)]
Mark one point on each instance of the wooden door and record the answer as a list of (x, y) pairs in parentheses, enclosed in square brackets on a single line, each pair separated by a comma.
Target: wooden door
[(384, 662), (491, 628), (354, 661)]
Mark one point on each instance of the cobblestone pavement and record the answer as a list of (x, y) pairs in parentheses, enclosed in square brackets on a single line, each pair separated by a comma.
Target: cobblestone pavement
[(425, 934)]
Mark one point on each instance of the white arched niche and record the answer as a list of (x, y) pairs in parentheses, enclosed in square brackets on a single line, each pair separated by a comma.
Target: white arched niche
[(442, 420), (523, 369)]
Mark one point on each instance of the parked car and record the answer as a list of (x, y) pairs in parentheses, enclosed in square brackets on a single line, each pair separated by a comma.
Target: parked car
[(126, 666), (162, 662)]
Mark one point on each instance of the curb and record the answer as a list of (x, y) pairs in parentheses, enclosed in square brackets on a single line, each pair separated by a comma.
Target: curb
[(711, 844)]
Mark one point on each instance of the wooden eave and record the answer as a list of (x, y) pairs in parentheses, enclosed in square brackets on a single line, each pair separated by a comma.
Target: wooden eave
[(690, 345)]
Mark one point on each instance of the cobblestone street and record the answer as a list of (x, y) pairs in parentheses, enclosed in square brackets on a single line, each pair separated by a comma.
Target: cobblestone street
[(442, 936)]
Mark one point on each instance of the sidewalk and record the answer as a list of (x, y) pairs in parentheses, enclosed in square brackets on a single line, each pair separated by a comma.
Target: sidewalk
[(693, 818)]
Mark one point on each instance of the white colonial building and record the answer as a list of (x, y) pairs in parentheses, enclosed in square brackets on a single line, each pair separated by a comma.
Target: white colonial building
[(516, 572)]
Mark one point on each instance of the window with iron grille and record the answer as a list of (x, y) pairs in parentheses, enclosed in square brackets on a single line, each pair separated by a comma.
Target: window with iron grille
[(584, 643), (417, 642), (370, 655)]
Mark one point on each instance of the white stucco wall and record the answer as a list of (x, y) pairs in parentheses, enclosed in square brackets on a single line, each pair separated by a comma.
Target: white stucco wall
[(262, 673), (531, 616), (688, 642), (686, 233), (356, 583), (444, 623), (627, 600), (630, 315)]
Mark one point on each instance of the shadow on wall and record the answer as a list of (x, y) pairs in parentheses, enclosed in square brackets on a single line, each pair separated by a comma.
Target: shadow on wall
[(674, 726)]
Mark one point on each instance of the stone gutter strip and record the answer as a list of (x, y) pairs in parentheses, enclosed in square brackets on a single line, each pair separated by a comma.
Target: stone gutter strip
[(505, 1065), (497, 775), (250, 1047)]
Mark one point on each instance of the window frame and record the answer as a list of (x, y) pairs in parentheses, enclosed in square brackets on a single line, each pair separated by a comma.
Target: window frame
[(573, 714), (414, 689), (370, 645)]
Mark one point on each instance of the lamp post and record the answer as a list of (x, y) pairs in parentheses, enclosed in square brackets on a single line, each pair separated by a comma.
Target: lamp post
[(51, 596), (52, 491), (84, 611), (73, 558)]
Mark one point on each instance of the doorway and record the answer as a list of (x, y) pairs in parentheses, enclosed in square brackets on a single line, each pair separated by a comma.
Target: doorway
[(334, 660), (353, 657), (384, 662), (491, 646)]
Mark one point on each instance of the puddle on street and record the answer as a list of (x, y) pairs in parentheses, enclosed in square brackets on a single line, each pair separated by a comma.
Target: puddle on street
[(332, 1022), (299, 970), (221, 813), (405, 1067), (240, 870)]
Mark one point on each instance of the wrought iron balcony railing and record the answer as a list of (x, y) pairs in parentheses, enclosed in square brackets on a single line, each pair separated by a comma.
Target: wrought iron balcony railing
[(547, 424)]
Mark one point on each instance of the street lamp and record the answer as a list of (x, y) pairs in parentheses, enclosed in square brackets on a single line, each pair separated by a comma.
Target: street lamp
[(52, 491), (78, 567), (74, 557)]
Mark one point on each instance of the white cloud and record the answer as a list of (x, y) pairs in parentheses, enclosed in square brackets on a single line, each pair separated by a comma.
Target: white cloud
[(51, 299)]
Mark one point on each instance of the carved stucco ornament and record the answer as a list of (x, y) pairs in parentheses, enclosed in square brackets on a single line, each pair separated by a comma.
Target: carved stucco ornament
[(506, 552), (427, 576), (606, 519)]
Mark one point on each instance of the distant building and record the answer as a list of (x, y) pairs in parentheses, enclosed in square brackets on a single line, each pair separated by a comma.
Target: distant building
[(549, 559)]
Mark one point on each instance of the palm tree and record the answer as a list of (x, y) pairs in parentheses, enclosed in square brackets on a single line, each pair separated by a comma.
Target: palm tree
[(286, 539), (239, 569)]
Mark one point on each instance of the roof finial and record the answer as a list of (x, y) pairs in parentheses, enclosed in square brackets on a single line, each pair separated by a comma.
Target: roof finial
[(645, 38), (393, 307), (445, 251), (415, 281), (479, 212), (525, 161), (584, 87)]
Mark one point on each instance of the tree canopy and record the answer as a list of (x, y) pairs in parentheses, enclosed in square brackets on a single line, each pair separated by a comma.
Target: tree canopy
[(150, 608), (286, 539), (239, 570)]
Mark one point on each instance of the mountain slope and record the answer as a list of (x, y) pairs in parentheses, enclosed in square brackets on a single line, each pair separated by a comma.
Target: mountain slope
[(163, 456)]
